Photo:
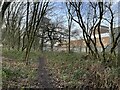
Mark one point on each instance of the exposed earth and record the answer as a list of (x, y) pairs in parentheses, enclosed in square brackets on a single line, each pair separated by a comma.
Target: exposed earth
[(45, 77)]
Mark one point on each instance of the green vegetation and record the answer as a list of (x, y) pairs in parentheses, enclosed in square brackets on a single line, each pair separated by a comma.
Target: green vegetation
[(15, 73), (75, 69), (33, 27), (19, 55), (71, 69)]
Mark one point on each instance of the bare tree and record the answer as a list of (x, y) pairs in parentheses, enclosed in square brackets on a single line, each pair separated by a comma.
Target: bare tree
[(69, 24), (32, 26), (76, 6)]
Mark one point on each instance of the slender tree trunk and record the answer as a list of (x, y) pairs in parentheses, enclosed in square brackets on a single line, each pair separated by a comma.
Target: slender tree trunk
[(118, 59), (42, 41), (19, 39), (42, 45), (27, 49), (23, 42), (99, 33), (52, 45), (69, 28)]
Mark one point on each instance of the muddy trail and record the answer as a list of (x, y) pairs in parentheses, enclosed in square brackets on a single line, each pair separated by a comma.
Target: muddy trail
[(45, 77)]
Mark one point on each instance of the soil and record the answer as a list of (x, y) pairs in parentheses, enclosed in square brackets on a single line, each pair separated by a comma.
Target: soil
[(45, 78)]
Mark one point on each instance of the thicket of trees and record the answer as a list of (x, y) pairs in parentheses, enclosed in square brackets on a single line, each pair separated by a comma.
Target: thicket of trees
[(26, 25), (90, 21)]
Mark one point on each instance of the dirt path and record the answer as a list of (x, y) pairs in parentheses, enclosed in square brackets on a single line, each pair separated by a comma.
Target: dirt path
[(45, 78)]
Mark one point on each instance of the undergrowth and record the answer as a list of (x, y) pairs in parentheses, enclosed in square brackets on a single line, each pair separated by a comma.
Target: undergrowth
[(75, 70), (15, 72)]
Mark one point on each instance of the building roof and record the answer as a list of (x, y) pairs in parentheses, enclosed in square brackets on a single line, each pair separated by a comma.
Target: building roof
[(103, 29)]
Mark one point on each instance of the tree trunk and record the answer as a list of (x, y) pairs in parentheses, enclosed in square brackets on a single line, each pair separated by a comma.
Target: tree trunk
[(52, 44), (19, 40), (23, 42), (42, 42)]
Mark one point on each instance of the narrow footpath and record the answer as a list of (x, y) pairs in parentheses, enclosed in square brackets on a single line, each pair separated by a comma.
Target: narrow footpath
[(45, 78)]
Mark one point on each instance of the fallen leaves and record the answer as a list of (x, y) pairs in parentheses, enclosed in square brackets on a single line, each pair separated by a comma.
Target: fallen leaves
[(17, 74), (72, 70)]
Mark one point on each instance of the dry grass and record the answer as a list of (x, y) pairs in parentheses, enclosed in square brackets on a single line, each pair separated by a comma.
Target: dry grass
[(74, 71), (15, 73)]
